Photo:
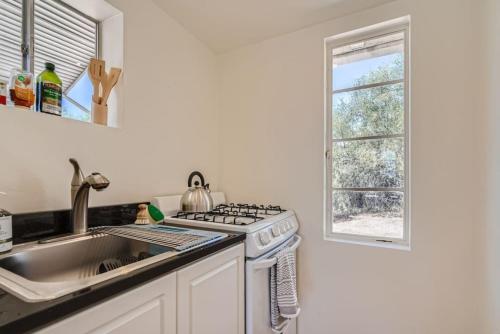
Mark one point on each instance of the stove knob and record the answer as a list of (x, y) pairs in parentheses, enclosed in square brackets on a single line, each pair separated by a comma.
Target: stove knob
[(284, 227), (265, 238), (276, 231)]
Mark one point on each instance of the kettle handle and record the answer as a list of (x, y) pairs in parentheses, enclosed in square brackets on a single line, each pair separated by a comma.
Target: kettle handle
[(192, 175)]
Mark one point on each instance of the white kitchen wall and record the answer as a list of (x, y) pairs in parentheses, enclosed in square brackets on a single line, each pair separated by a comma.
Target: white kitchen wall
[(111, 44), (272, 150), (491, 86), (166, 126), (268, 135)]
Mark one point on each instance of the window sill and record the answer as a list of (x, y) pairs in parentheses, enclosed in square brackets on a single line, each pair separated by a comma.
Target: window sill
[(370, 242), (20, 111)]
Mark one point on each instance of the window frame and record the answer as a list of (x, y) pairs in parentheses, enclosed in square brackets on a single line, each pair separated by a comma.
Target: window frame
[(359, 35)]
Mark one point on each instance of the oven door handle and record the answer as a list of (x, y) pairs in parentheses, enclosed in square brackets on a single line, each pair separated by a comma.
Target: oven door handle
[(268, 263)]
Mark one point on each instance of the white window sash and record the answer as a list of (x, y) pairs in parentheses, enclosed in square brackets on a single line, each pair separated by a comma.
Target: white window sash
[(367, 138), (368, 86)]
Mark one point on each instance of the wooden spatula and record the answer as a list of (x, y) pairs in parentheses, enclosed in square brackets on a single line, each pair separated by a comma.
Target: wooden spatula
[(109, 83), (97, 74)]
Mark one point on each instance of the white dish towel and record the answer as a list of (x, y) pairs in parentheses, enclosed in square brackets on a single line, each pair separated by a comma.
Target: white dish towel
[(283, 285)]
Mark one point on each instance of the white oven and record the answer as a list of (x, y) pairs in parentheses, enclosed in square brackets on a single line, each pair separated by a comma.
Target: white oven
[(257, 291), (268, 229)]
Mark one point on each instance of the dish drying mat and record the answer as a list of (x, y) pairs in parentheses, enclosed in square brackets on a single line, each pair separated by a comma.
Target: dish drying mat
[(178, 238)]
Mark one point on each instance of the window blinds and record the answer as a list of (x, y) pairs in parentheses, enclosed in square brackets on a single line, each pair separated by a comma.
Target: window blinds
[(64, 37), (375, 47), (10, 36)]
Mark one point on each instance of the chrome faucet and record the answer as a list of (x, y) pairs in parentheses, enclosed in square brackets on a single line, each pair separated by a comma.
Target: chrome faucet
[(80, 202)]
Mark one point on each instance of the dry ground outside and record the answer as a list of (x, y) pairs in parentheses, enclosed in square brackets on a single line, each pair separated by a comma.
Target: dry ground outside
[(376, 225)]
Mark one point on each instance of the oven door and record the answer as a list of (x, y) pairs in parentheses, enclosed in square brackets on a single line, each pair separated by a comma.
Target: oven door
[(258, 310)]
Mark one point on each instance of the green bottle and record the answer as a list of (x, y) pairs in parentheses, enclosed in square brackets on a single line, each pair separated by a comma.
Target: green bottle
[(49, 91)]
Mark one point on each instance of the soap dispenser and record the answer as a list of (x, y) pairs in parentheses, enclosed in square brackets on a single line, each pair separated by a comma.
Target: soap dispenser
[(5, 230)]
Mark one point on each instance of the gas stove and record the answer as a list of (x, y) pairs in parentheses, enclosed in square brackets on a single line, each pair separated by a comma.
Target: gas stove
[(266, 226)]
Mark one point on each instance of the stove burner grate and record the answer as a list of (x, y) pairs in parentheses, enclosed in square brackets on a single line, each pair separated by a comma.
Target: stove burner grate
[(236, 214)]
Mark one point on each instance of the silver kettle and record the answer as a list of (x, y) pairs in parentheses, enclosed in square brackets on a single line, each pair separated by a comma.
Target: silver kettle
[(197, 198)]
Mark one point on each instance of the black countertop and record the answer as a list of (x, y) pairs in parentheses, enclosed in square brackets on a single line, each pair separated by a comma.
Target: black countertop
[(17, 316)]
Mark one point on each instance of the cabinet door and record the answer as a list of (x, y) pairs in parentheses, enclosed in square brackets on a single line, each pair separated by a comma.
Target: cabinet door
[(210, 295), (149, 309)]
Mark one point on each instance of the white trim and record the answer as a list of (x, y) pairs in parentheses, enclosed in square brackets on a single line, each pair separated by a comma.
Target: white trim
[(377, 189), (368, 86), (357, 240), (390, 27), (376, 137)]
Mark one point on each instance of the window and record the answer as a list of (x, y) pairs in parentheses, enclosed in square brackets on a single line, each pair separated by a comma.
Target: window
[(69, 39), (63, 36), (367, 136)]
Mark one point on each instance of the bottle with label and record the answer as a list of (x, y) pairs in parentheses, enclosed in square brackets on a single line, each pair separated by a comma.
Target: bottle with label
[(21, 89), (5, 230), (49, 91)]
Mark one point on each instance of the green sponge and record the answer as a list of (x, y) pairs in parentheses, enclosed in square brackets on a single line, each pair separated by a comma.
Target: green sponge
[(155, 213)]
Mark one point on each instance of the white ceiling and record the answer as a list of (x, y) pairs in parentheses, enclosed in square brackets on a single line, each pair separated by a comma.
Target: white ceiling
[(227, 24)]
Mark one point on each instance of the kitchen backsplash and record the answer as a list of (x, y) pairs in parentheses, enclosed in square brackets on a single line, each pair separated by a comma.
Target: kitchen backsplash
[(39, 225)]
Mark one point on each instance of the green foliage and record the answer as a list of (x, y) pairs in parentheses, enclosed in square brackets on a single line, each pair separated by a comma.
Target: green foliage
[(369, 163)]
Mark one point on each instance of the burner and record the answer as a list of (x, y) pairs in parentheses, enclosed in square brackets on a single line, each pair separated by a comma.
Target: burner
[(250, 208), (236, 214)]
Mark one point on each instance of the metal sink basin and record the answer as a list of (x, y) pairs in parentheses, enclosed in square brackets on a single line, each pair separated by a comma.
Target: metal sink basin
[(40, 272)]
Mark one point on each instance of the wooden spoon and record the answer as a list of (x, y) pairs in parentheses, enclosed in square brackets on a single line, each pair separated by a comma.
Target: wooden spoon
[(109, 83), (97, 74)]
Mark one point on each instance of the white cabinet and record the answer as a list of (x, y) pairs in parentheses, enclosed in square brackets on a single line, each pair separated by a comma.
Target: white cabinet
[(210, 295), (206, 297), (149, 309)]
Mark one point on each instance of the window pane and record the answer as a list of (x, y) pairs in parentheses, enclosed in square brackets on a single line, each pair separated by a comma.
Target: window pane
[(82, 91), (369, 163), (372, 61), (369, 112), (375, 214), (72, 111)]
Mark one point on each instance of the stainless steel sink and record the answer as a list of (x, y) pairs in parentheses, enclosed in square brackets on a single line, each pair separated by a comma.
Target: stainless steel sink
[(39, 272)]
